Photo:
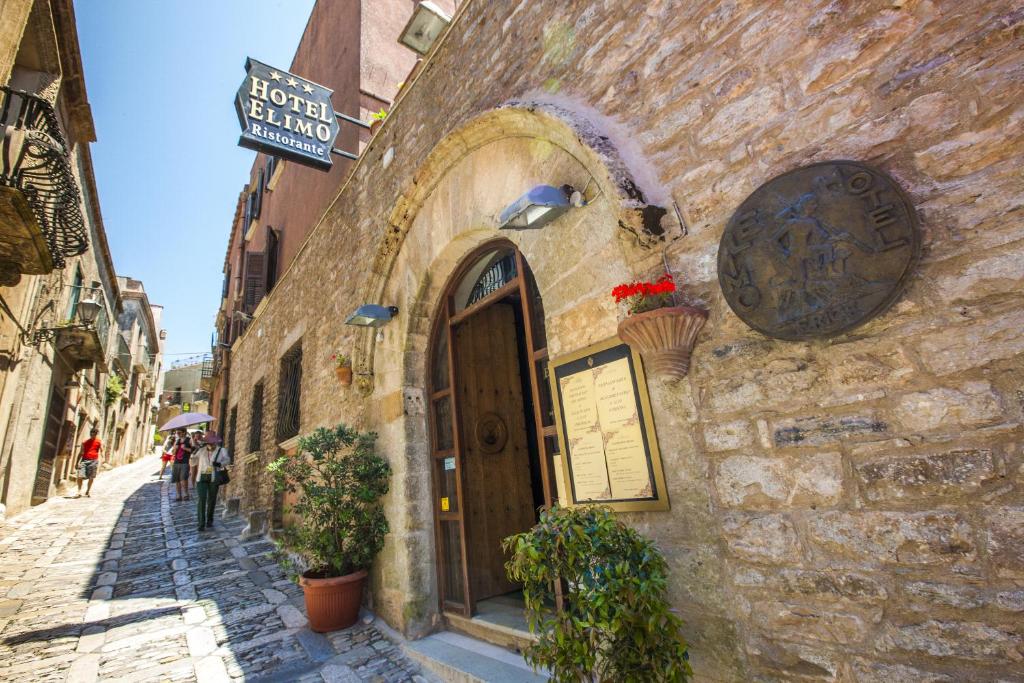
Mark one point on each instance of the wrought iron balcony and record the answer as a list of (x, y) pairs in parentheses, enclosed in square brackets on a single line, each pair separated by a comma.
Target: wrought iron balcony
[(41, 220), (124, 356)]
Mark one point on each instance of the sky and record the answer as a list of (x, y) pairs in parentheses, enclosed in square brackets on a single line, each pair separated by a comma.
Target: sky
[(161, 77)]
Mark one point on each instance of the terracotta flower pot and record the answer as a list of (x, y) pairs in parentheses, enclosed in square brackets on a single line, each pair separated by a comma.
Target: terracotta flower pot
[(375, 126), (333, 604), (664, 337), (344, 374)]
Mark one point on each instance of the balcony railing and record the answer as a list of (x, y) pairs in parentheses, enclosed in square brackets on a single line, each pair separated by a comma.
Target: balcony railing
[(124, 355), (35, 162), (143, 358)]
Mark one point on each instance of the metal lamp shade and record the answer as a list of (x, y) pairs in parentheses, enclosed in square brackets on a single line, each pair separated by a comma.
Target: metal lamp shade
[(371, 315), (426, 24), (535, 209), (88, 310)]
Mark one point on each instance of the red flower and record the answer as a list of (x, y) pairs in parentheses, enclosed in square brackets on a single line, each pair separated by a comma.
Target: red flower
[(637, 293)]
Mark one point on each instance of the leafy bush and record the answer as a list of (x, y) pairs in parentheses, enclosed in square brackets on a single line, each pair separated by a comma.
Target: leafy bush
[(115, 388), (616, 624), (340, 480), (158, 438)]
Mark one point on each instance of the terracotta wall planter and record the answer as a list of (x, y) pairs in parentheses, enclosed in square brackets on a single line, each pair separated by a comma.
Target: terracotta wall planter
[(344, 375), (333, 604), (664, 337)]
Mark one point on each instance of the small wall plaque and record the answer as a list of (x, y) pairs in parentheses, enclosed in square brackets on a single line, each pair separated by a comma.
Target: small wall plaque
[(819, 250)]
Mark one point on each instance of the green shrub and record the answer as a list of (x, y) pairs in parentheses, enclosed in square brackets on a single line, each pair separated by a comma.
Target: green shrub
[(616, 624), (115, 388), (341, 480)]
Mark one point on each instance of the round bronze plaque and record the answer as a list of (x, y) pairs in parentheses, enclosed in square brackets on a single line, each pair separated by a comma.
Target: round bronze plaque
[(491, 433), (818, 251)]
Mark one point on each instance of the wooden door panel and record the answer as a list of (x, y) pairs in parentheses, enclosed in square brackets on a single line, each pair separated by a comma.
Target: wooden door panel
[(496, 487)]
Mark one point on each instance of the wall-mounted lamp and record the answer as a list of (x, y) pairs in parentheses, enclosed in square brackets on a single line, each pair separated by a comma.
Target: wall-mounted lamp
[(86, 310), (425, 25), (372, 315), (244, 317), (539, 206)]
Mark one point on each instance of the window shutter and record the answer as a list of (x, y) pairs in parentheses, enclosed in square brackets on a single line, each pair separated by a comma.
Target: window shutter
[(248, 214), (258, 195), (254, 279), (271, 251)]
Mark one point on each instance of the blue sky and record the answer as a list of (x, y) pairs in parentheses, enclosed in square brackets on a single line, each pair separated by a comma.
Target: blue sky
[(161, 77)]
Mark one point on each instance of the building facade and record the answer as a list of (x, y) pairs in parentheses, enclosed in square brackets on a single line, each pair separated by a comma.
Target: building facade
[(58, 290), (139, 367), (283, 201), (846, 508)]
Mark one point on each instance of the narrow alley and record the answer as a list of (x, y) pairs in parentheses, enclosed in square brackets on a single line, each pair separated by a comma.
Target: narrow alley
[(121, 586)]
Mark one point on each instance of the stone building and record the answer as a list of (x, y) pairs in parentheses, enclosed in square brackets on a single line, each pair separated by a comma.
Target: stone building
[(139, 365), (282, 201), (58, 290), (846, 508)]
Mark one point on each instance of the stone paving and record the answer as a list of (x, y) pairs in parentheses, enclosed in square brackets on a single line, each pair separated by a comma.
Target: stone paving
[(121, 586)]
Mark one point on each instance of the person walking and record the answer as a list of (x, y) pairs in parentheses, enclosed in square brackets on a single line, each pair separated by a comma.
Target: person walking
[(168, 455), (197, 443), (180, 469), (88, 461), (211, 458)]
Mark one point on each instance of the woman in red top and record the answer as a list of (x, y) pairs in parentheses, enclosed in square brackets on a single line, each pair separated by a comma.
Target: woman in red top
[(89, 460)]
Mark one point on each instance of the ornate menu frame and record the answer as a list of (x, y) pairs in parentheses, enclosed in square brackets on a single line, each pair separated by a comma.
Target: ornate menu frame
[(609, 353)]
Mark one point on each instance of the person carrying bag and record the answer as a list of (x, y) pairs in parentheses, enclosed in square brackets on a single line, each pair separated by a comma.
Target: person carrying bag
[(213, 460)]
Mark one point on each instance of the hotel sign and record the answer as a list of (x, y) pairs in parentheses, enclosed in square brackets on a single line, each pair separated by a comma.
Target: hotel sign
[(286, 116)]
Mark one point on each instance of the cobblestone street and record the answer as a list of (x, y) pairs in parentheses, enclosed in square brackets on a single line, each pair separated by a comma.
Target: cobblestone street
[(121, 586)]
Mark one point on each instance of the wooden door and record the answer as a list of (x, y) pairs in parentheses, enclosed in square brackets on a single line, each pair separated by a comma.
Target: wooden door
[(497, 494), (51, 443)]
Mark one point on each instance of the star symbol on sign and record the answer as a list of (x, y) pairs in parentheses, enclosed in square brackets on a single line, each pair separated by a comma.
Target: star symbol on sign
[(308, 88), (292, 82), (274, 76)]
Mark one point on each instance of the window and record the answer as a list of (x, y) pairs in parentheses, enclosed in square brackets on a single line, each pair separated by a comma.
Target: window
[(232, 430), (254, 280), (227, 283), (76, 294), (289, 390), (271, 251), (256, 422), (491, 272)]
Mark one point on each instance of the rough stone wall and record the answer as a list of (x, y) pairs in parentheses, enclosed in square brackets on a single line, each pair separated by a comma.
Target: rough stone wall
[(848, 509), (15, 14)]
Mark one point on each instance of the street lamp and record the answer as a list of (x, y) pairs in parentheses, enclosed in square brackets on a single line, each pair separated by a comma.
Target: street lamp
[(372, 315), (88, 310), (538, 207), (425, 25)]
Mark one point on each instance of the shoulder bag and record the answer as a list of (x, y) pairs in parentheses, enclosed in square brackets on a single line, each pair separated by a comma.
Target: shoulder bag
[(220, 474)]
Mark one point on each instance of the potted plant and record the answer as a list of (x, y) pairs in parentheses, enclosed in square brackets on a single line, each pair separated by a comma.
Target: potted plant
[(662, 331), (342, 368), (340, 480), (377, 120), (615, 623)]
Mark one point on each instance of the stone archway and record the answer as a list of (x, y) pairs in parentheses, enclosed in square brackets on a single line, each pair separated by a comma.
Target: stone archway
[(452, 209)]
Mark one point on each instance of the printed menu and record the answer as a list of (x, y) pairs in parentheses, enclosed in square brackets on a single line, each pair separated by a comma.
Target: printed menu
[(604, 435)]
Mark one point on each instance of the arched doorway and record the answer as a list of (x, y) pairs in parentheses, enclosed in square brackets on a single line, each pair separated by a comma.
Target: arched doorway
[(492, 434)]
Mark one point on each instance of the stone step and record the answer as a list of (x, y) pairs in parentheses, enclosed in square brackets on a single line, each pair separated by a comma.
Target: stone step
[(456, 658), (488, 631)]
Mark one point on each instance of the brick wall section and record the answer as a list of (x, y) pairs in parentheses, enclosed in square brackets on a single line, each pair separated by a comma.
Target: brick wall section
[(848, 509)]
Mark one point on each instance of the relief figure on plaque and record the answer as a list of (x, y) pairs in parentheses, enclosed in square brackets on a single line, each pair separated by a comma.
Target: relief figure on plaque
[(817, 254)]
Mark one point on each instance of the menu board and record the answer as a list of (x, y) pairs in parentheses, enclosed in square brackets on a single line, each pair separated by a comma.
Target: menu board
[(610, 451)]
